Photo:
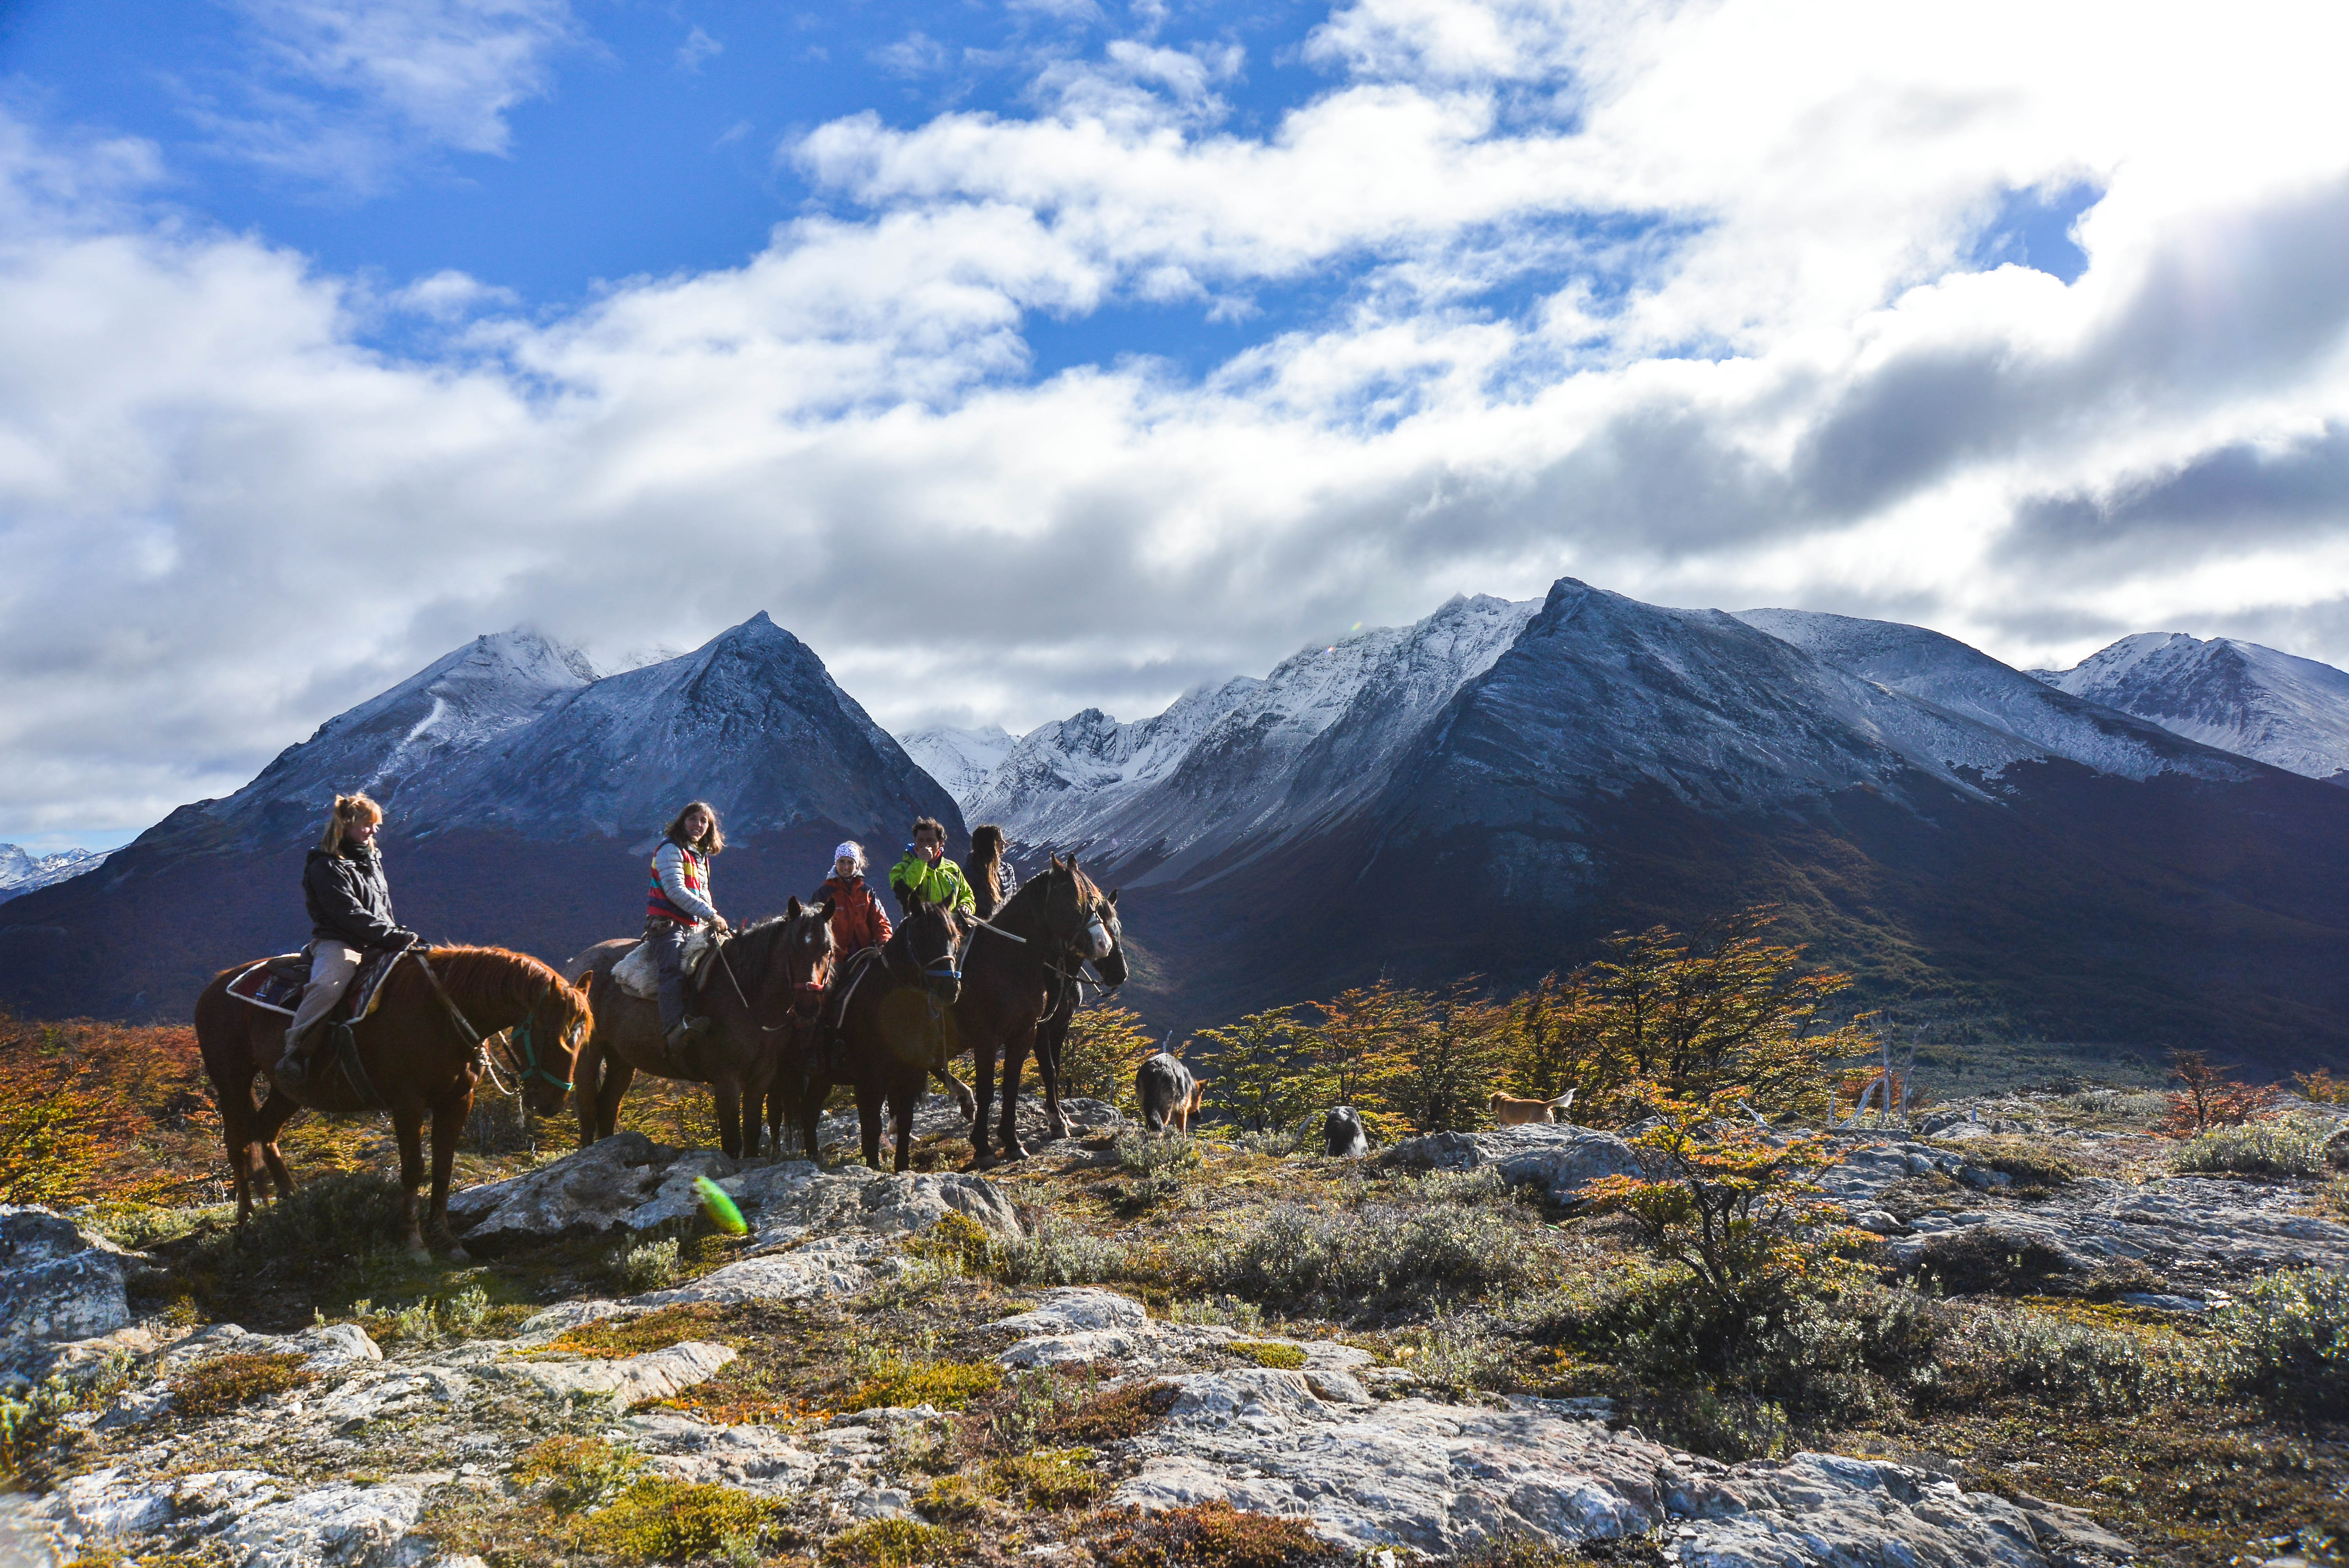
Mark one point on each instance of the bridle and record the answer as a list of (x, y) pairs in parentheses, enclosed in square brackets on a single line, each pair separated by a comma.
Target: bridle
[(811, 989), (521, 1040)]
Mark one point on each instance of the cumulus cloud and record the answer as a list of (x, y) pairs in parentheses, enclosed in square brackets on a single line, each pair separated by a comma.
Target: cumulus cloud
[(1695, 303)]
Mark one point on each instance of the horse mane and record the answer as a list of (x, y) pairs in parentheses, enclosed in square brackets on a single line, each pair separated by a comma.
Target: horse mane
[(502, 974)]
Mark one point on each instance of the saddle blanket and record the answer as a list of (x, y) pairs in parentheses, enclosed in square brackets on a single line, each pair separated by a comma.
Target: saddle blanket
[(276, 985), (638, 972)]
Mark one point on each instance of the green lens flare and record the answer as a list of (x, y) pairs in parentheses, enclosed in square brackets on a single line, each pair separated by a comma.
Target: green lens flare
[(722, 1212)]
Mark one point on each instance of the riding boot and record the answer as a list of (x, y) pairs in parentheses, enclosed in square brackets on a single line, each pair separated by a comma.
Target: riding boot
[(293, 1064)]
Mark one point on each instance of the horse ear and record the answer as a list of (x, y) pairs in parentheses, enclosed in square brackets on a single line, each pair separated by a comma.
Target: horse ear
[(1113, 898), (791, 910), (824, 909)]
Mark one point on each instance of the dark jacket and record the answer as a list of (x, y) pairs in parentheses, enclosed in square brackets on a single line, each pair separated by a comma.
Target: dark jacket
[(349, 900)]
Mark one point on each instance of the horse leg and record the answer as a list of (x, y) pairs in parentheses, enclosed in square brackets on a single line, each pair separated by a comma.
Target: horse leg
[(236, 1140), (1015, 1056), (904, 1095), (586, 1075), (964, 1101), (274, 1113), (1047, 1068), (618, 1074), (728, 1095), (408, 1126), (982, 1073), (814, 1090), (868, 1116), (449, 1119)]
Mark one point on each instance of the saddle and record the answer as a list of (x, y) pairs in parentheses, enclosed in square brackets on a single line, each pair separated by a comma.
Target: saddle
[(638, 972), (275, 984)]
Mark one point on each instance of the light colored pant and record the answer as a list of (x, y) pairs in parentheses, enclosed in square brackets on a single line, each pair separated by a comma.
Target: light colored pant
[(332, 966)]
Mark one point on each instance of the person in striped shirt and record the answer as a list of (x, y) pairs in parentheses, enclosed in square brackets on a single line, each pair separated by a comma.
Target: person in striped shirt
[(679, 904)]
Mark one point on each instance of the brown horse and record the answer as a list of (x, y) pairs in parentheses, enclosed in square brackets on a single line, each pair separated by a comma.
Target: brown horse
[(896, 1024), (751, 989), (1022, 971), (420, 1052)]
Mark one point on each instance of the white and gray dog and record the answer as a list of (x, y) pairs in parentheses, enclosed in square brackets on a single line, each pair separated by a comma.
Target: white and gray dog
[(1342, 1134)]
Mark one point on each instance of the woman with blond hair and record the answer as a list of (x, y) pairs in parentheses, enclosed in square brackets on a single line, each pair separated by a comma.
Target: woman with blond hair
[(678, 906), (349, 903)]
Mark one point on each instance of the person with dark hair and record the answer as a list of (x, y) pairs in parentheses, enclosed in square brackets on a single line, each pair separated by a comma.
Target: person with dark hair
[(923, 873), (678, 906), (992, 880), (349, 905)]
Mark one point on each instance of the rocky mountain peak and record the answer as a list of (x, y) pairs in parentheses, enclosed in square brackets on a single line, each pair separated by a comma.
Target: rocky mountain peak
[(2256, 701)]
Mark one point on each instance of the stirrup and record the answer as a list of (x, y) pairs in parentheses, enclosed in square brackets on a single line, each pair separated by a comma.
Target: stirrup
[(291, 1068)]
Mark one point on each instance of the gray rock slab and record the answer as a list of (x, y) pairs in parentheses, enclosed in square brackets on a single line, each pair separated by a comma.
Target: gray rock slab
[(751, 1458), (334, 1524), (626, 1381), (1444, 1478), (59, 1283), (831, 1267), (2193, 1231), (1560, 1160)]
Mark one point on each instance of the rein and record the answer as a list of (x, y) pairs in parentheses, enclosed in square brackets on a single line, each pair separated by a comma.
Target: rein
[(524, 1068), (719, 946)]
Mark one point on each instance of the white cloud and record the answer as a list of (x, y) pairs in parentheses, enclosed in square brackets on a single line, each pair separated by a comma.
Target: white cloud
[(698, 48), (344, 90), (1732, 363)]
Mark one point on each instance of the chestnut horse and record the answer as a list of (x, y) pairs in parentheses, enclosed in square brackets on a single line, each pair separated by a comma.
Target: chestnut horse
[(1020, 974), (751, 989), (421, 1051)]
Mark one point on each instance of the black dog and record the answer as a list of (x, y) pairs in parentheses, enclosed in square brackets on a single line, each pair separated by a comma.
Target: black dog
[(1341, 1132)]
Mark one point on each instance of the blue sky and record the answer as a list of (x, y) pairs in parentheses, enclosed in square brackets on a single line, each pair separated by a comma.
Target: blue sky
[(1136, 345)]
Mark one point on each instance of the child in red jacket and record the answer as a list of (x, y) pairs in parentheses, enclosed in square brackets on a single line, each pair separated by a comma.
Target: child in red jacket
[(857, 918)]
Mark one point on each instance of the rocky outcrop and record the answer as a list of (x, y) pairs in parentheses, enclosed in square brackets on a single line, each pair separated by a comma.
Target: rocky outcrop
[(627, 1182), (1560, 1160), (1445, 1479), (58, 1284)]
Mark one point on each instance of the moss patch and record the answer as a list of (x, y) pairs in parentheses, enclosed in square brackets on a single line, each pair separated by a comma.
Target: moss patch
[(1051, 1478), (1116, 1415), (616, 1339), (220, 1385), (948, 1385), (658, 1518), (891, 1543), (1280, 1357), (576, 1472)]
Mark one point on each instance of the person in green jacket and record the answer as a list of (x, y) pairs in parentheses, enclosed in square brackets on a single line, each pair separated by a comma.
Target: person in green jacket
[(924, 873)]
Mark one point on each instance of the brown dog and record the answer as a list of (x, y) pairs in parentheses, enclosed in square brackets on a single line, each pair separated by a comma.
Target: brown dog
[(1508, 1110)]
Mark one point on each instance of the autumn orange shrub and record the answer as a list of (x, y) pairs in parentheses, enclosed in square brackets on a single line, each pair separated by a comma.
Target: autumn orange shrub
[(91, 1109), (2207, 1096)]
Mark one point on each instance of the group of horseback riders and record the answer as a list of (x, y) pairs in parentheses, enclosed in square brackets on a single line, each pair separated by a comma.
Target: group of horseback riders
[(349, 900)]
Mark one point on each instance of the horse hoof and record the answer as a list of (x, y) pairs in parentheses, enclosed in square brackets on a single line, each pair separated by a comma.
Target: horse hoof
[(458, 1255), (983, 1160), (1015, 1149), (1056, 1129), (419, 1254)]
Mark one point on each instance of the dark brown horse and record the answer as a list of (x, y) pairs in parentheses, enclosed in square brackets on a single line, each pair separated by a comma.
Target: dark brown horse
[(897, 1022), (751, 989), (1022, 970), (419, 1053)]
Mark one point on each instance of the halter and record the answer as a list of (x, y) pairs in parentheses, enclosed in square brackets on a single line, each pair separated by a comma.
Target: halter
[(525, 1069), (808, 986)]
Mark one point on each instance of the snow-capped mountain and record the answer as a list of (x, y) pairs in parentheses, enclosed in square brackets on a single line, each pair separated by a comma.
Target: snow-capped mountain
[(22, 871), (2288, 712), (960, 759), (1247, 757), (523, 794), (1955, 681)]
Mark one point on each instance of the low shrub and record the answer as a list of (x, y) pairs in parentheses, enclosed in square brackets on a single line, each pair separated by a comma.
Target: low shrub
[(2007, 1351), (1727, 1426), (2035, 1168), (327, 1217), (615, 1338), (1278, 1141), (891, 1543), (1111, 1416), (1058, 1252), (2277, 1146), (217, 1386), (958, 1498), (1357, 1256), (1984, 1260), (654, 1518), (649, 1263), (574, 1472), (1209, 1536), (1455, 1354), (2285, 1339), (948, 1385)]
